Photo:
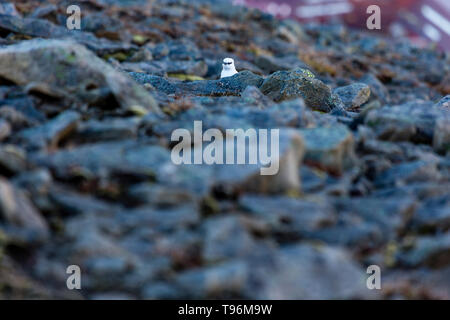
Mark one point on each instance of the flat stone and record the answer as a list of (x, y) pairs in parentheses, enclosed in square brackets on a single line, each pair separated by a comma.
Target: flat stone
[(80, 74), (354, 95), (51, 132), (329, 148)]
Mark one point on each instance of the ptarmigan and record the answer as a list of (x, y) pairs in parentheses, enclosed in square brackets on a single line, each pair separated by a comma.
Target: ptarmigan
[(228, 68)]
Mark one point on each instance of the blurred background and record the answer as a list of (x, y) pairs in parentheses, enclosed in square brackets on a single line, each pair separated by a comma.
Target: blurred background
[(423, 21)]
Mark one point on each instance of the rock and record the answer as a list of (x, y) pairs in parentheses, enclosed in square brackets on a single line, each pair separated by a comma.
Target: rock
[(250, 177), (21, 112), (408, 172), (102, 25), (42, 12), (157, 195), (226, 279), (441, 136), (293, 275), (433, 214), (354, 95), (253, 96), (141, 160), (197, 68), (287, 85), (45, 29), (390, 214), (159, 290), (272, 64), (72, 203), (9, 9), (36, 182), (229, 86), (77, 73), (165, 219), (18, 216), (5, 129), (444, 102), (108, 129), (289, 218), (427, 251), (107, 266), (329, 148), (52, 132), (226, 238), (377, 89), (12, 159), (413, 121)]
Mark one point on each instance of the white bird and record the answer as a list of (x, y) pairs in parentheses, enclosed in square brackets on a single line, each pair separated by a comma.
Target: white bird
[(228, 68)]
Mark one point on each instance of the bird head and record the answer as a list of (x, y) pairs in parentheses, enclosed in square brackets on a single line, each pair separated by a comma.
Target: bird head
[(228, 64)]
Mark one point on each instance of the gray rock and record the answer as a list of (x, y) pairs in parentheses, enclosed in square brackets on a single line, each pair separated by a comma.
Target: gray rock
[(272, 64), (108, 129), (391, 215), (354, 95), (444, 102), (377, 89), (441, 137), (41, 28), (17, 214), (294, 275), (405, 173), (329, 148), (12, 159), (249, 177), (16, 118), (159, 290), (5, 129), (289, 217), (427, 251), (8, 8), (253, 96), (226, 279), (226, 237), (287, 85), (139, 159), (413, 121), (229, 86), (51, 132), (433, 214), (158, 195), (80, 74)]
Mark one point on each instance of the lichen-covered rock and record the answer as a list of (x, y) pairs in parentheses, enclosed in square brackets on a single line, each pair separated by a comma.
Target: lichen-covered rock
[(65, 69), (298, 83), (229, 86)]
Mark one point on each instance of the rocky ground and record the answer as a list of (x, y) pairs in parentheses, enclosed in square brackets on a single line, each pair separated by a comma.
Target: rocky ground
[(86, 176)]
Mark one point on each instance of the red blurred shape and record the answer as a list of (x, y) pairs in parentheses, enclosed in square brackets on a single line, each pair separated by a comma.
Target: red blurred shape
[(421, 20)]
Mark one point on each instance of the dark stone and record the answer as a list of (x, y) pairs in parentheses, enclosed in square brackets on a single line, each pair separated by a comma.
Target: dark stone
[(354, 95)]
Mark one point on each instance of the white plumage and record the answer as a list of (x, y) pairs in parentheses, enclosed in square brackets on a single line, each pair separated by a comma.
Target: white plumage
[(228, 68)]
